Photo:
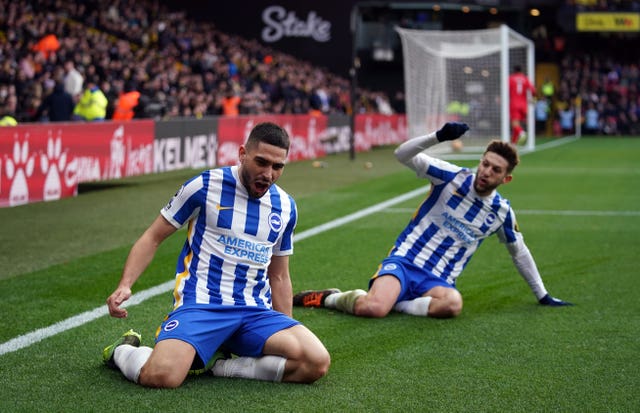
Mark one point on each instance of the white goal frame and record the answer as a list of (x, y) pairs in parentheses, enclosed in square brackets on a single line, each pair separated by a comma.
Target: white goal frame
[(503, 40)]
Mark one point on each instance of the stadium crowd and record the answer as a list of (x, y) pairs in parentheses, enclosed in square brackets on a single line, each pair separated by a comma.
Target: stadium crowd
[(607, 91), (598, 75), (180, 67)]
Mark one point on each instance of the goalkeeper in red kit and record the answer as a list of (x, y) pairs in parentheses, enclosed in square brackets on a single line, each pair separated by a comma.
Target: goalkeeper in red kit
[(519, 89)]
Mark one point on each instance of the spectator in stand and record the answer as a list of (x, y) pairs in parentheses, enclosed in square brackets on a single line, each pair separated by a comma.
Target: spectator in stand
[(382, 104), (320, 99), (591, 120), (624, 123), (634, 117), (112, 90), (314, 106), (253, 102), (398, 103), (73, 80), (520, 91), (542, 110), (566, 117), (610, 119), (58, 106)]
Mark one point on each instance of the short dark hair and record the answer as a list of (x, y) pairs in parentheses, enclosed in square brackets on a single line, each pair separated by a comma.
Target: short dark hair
[(517, 68), (269, 132), (507, 150)]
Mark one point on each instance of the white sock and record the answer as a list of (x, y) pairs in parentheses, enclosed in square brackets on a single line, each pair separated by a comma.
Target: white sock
[(130, 360), (269, 368), (418, 306), (345, 301), (330, 301)]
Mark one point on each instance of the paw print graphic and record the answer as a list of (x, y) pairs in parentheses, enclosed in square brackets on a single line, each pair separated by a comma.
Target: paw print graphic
[(52, 164), (18, 168)]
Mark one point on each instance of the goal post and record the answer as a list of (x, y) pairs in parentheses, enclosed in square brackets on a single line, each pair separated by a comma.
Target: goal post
[(463, 75)]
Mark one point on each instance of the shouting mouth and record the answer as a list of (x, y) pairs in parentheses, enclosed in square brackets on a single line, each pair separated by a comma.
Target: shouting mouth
[(261, 187)]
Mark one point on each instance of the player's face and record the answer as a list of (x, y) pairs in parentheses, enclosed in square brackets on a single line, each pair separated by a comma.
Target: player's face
[(492, 172), (260, 167)]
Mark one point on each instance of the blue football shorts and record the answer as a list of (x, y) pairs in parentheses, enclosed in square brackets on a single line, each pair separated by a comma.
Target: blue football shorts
[(414, 281), (238, 330)]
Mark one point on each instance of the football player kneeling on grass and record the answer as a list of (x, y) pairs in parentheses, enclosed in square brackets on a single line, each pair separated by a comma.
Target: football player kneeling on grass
[(463, 208), (233, 290)]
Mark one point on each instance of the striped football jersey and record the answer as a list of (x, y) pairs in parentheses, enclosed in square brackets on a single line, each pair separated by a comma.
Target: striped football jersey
[(231, 238), (453, 220)]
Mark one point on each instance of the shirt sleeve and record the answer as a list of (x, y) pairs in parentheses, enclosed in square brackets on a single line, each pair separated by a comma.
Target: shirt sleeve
[(185, 204), (410, 153), (522, 258), (412, 147)]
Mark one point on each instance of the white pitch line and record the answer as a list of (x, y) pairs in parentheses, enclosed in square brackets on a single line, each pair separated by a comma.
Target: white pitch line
[(40, 334), (362, 213)]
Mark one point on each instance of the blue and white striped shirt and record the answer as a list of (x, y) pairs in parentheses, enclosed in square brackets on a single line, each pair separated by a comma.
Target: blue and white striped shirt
[(231, 238), (452, 221)]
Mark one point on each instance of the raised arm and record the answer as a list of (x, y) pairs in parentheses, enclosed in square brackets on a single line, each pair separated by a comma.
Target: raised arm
[(410, 148)]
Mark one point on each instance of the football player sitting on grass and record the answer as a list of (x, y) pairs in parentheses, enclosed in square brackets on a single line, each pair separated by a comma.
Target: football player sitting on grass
[(463, 208)]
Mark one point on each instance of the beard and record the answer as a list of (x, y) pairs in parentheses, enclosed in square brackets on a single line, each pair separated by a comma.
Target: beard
[(256, 187)]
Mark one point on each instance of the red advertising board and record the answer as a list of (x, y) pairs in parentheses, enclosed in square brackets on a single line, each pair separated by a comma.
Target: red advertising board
[(43, 162), (379, 130), (304, 133)]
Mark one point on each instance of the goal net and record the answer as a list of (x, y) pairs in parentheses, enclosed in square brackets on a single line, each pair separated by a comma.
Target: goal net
[(463, 76)]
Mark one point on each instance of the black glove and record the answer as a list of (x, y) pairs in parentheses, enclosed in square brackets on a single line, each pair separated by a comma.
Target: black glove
[(552, 302), (451, 131)]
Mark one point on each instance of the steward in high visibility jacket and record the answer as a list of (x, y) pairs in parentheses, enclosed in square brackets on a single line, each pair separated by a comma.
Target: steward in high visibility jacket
[(548, 89), (92, 105), (8, 120), (230, 105), (125, 105)]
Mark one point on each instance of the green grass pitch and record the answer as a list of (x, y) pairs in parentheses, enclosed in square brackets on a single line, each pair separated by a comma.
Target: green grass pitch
[(578, 206)]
